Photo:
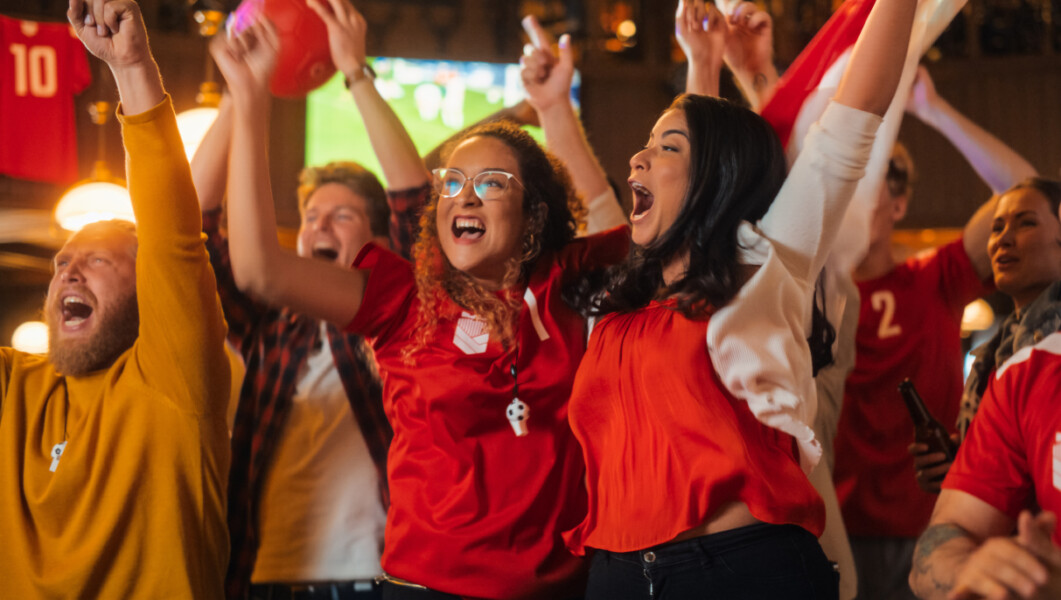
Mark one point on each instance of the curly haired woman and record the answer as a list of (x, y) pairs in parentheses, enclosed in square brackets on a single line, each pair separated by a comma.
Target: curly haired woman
[(476, 344)]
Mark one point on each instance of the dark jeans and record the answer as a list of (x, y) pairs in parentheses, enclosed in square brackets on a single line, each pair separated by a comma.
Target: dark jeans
[(760, 561), (393, 591), (327, 591)]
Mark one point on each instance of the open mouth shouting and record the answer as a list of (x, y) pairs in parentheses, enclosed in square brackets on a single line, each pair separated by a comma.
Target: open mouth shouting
[(468, 229), (75, 310), (643, 200), (325, 251)]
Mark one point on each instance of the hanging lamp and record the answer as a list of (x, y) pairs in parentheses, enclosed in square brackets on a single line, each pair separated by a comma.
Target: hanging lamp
[(100, 197), (194, 123)]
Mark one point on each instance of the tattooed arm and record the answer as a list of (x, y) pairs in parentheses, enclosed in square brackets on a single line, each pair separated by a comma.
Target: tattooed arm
[(933, 571), (968, 552)]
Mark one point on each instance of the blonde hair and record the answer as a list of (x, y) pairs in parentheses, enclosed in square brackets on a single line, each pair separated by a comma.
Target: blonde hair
[(358, 179)]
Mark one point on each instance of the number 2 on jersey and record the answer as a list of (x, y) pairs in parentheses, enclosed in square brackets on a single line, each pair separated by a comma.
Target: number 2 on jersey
[(884, 301), (36, 70)]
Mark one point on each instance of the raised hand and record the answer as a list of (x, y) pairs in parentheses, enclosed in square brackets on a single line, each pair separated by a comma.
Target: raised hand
[(750, 46), (247, 59), (701, 30), (112, 30), (923, 97), (346, 33), (546, 76)]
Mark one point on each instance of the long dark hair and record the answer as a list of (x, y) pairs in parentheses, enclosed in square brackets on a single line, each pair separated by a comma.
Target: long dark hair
[(1049, 188), (736, 169)]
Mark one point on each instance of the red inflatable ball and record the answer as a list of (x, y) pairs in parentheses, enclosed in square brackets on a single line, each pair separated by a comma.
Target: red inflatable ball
[(304, 63)]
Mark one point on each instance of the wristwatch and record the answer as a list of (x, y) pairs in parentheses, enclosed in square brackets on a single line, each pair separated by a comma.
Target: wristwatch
[(365, 72)]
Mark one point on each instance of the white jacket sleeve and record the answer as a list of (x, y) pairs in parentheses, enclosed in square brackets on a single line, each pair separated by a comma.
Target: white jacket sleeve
[(758, 342)]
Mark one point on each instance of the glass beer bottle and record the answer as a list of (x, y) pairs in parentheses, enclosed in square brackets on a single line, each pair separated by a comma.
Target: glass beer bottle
[(927, 430)]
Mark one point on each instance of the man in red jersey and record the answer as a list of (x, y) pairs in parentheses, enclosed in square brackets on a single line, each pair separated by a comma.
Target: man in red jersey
[(1011, 460), (909, 327)]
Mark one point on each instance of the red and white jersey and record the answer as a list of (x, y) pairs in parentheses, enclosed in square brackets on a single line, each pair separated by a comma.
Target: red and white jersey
[(42, 67), (909, 326), (475, 509), (1011, 458)]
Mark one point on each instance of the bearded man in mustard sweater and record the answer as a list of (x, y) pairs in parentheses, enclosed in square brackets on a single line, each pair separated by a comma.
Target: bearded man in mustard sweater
[(114, 448)]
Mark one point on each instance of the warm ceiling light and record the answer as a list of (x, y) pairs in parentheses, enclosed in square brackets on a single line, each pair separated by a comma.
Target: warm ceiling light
[(193, 125), (977, 316), (31, 337), (101, 197), (91, 201), (626, 30)]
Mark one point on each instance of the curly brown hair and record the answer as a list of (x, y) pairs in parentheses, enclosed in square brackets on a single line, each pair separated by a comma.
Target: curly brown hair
[(551, 211)]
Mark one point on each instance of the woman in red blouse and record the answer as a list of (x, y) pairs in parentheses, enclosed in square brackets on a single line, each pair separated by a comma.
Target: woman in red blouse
[(691, 489)]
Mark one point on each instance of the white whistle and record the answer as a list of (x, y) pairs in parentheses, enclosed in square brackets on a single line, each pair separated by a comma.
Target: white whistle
[(57, 453), (517, 413)]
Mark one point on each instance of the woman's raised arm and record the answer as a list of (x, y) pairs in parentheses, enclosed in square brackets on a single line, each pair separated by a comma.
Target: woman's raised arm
[(260, 266)]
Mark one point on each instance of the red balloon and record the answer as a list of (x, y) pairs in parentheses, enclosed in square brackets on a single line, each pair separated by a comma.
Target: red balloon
[(304, 63)]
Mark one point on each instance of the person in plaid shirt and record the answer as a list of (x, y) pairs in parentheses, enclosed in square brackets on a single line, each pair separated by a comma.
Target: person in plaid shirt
[(310, 438)]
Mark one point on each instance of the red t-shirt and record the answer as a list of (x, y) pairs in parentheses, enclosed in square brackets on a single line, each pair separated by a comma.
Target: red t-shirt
[(1011, 458), (666, 446), (43, 65), (475, 510), (909, 326)]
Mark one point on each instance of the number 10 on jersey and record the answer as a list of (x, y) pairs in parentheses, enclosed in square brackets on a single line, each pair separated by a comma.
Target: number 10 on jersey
[(35, 70)]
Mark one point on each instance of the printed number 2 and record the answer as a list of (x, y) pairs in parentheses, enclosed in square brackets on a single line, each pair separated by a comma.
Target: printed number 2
[(35, 70), (884, 301)]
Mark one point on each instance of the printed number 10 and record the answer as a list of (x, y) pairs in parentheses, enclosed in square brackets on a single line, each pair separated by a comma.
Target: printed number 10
[(35, 71)]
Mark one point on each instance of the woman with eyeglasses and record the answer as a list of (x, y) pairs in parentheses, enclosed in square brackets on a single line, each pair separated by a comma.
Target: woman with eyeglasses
[(694, 487), (476, 343)]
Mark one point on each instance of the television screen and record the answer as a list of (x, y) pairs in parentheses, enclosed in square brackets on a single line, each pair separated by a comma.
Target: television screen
[(433, 98)]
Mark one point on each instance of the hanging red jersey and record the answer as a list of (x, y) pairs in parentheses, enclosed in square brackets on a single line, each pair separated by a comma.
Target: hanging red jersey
[(42, 67)]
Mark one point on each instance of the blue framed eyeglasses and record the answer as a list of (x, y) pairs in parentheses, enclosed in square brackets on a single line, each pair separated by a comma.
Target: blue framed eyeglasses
[(488, 185)]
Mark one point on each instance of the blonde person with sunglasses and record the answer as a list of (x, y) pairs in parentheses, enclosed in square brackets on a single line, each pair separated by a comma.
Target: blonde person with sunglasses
[(476, 340)]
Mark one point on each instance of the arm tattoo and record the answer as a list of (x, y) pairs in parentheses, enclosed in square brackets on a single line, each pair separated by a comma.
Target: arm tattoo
[(933, 538)]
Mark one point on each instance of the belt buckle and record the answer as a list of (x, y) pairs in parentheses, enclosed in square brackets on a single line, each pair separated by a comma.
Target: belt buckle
[(396, 581)]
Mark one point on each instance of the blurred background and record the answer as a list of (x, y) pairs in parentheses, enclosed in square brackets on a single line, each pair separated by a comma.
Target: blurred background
[(446, 63)]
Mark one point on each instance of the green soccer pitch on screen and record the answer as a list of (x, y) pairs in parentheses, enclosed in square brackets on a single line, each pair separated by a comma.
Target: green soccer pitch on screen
[(433, 98)]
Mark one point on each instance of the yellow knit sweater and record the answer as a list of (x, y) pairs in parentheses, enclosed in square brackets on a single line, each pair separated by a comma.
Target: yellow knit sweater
[(135, 508)]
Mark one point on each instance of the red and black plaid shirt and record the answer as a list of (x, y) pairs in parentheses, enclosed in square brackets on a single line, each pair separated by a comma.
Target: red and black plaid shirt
[(274, 344)]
